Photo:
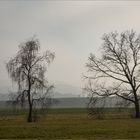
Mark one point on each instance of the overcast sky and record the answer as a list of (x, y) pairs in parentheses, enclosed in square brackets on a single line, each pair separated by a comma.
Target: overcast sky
[(71, 29)]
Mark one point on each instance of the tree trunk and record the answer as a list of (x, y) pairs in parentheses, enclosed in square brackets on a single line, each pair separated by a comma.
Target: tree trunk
[(30, 106), (30, 113), (137, 109), (30, 102)]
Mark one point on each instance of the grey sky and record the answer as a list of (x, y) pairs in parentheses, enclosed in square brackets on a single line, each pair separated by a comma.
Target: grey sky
[(71, 29)]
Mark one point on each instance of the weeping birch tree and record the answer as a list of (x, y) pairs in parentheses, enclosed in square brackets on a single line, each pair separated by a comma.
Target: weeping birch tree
[(116, 71), (28, 69)]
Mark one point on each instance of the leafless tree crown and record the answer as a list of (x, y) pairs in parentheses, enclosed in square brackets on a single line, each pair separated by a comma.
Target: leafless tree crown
[(28, 69), (119, 63)]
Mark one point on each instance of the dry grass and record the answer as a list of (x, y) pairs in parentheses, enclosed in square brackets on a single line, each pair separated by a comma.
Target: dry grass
[(69, 126)]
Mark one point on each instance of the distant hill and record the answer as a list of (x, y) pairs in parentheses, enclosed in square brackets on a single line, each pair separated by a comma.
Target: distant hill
[(61, 90), (75, 102), (80, 102), (57, 103), (4, 96)]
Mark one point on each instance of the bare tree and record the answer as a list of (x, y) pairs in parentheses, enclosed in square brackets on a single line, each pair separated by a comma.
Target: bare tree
[(28, 69), (116, 71)]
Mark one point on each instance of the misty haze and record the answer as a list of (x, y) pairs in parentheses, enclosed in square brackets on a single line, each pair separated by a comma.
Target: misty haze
[(69, 69)]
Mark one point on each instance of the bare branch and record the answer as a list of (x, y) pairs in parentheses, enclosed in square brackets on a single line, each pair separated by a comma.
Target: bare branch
[(120, 60), (28, 70)]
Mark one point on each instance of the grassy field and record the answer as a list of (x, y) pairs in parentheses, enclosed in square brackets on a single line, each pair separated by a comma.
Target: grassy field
[(67, 124)]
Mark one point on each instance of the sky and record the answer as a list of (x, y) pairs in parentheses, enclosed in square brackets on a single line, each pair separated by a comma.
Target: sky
[(71, 29)]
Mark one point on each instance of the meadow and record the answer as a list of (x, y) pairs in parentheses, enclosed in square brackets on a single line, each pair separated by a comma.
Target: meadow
[(71, 124)]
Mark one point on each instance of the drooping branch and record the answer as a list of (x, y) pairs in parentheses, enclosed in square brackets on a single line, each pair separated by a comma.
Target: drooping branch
[(28, 70)]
